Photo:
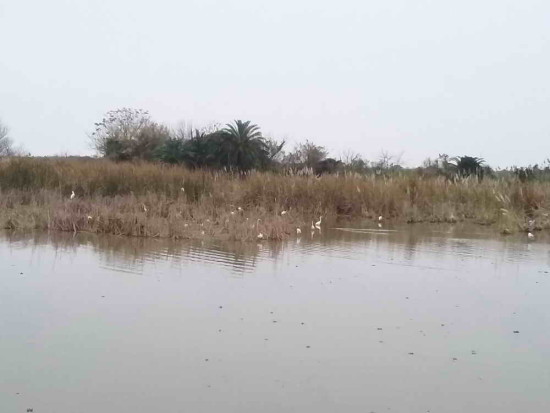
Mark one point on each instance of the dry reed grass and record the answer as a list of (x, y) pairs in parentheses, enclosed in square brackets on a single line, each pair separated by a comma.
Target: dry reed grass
[(146, 199)]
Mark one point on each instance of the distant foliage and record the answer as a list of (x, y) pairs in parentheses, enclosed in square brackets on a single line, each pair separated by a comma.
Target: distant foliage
[(126, 134), (242, 146), (469, 166), (239, 146), (533, 172), (327, 166), (354, 162), (305, 155), (131, 135), (6, 143)]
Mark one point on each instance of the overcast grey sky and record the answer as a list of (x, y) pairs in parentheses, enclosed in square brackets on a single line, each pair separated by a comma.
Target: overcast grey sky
[(420, 77)]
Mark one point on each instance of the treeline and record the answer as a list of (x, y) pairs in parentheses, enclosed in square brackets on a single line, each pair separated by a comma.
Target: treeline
[(130, 134)]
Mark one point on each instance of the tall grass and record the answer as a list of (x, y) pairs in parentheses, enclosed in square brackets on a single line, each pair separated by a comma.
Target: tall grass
[(146, 199)]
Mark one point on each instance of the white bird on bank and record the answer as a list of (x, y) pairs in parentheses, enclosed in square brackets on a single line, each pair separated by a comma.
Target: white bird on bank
[(298, 231), (144, 207), (283, 212), (260, 236), (73, 195), (530, 235), (182, 189), (380, 218), (318, 223)]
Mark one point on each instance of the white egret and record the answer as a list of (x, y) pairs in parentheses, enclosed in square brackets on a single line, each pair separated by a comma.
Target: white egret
[(298, 231), (530, 235), (144, 207), (260, 236), (318, 223), (72, 195), (380, 218), (182, 189), (283, 212), (90, 217)]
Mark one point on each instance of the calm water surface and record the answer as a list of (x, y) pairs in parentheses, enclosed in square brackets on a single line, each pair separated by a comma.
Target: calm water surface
[(418, 319)]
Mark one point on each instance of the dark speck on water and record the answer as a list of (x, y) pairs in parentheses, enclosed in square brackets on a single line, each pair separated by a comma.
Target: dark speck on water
[(516, 332)]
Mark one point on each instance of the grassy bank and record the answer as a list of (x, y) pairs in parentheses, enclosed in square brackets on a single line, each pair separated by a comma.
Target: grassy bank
[(156, 200)]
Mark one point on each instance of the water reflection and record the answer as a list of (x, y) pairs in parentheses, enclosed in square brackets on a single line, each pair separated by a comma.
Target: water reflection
[(353, 320), (399, 245)]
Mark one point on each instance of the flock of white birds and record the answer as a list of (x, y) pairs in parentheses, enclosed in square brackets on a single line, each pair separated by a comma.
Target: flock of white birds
[(314, 226)]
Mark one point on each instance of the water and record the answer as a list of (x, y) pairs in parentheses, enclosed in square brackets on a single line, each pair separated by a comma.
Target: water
[(438, 319)]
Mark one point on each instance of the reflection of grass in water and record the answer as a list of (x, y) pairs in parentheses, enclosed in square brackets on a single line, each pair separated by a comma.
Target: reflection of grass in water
[(129, 253), (153, 200)]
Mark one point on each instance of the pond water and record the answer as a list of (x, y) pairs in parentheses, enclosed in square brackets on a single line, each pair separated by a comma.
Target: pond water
[(413, 319)]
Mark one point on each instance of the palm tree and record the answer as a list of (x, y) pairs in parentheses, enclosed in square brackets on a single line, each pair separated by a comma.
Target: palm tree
[(242, 146), (469, 165)]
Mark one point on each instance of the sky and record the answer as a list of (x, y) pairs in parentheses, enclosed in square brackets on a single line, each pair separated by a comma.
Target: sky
[(410, 77)]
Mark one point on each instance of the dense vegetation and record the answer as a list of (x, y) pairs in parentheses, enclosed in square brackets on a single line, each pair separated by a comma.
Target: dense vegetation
[(129, 134), (232, 182), (155, 199)]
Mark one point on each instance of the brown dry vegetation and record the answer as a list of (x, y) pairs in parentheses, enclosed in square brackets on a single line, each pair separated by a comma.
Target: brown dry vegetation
[(146, 199)]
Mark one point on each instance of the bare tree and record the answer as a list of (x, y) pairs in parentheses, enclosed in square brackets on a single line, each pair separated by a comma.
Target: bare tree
[(6, 143), (353, 161), (387, 161)]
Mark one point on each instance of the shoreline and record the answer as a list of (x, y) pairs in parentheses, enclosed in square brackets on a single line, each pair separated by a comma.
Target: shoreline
[(156, 200)]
